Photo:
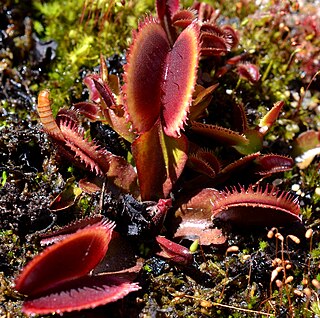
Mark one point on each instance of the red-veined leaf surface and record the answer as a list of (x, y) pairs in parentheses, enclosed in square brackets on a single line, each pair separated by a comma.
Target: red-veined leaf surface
[(66, 260), (179, 80), (253, 207), (83, 293), (144, 75)]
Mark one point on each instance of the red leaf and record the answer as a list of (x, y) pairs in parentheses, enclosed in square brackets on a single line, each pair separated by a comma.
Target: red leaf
[(144, 75), (67, 115), (122, 175), (160, 161), (84, 150), (212, 44), (236, 166), (183, 18), (121, 258), (160, 80), (113, 114), (201, 166), (193, 219), (249, 72), (89, 110), (88, 81), (220, 134), (256, 207), (240, 163), (204, 162), (64, 199), (239, 117), (179, 80), (165, 10), (66, 260), (105, 92), (85, 292), (90, 185), (147, 153), (205, 12), (173, 251), (58, 235), (202, 98), (271, 163), (208, 27), (231, 36)]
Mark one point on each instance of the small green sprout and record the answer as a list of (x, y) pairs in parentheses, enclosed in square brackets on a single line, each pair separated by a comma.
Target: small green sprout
[(263, 245), (194, 246), (3, 179), (147, 268)]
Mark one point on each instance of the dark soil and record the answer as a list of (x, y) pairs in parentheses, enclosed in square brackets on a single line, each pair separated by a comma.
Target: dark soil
[(32, 175)]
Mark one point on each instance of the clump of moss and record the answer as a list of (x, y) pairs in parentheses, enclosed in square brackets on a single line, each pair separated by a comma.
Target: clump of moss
[(83, 30), (14, 254), (283, 40)]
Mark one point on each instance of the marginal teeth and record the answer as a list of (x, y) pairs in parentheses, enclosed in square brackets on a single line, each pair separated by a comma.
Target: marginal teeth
[(234, 203)]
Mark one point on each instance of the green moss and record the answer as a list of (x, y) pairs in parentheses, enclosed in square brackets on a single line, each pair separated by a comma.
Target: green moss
[(84, 204), (275, 39), (263, 245), (315, 307), (81, 38), (315, 253)]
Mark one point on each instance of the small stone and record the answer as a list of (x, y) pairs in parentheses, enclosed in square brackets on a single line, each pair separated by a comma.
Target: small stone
[(295, 187), (309, 233)]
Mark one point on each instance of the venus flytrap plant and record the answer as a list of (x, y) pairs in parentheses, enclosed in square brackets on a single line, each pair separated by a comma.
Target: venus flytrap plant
[(153, 105), (158, 107), (60, 280), (69, 139), (151, 108), (156, 99), (160, 97), (248, 140), (159, 82)]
